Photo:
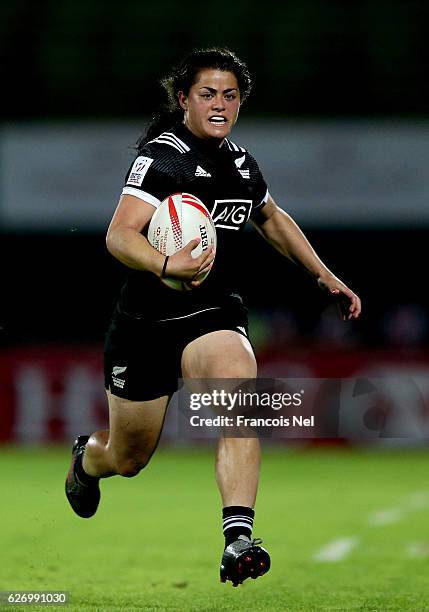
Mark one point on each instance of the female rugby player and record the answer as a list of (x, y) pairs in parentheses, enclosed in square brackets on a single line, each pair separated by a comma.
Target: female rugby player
[(157, 334)]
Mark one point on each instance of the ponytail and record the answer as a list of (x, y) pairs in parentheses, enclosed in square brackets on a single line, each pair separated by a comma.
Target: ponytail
[(160, 122)]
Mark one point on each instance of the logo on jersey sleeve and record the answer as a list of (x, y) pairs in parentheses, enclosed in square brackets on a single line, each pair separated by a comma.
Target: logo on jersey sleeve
[(231, 214), (138, 171), (238, 163)]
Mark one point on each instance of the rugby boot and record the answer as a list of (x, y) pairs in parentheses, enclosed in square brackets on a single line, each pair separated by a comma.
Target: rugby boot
[(243, 559), (83, 496)]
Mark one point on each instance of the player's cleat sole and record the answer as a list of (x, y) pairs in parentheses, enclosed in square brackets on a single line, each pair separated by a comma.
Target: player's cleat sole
[(83, 497), (244, 559)]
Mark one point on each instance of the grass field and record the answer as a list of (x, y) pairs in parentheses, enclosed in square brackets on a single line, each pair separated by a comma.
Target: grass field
[(155, 543)]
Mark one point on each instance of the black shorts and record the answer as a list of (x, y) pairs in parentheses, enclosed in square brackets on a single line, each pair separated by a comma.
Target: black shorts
[(142, 359)]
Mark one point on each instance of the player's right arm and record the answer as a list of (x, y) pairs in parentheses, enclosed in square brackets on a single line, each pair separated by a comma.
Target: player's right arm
[(126, 242)]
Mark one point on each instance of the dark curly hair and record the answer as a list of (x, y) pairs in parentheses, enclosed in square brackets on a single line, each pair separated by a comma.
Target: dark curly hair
[(183, 77)]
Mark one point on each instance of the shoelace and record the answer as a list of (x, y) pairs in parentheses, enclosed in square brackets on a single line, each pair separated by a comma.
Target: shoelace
[(256, 542)]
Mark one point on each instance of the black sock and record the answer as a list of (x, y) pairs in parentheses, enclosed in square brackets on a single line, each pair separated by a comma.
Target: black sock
[(82, 476), (237, 521)]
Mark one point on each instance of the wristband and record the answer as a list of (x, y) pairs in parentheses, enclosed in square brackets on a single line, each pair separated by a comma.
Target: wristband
[(164, 267)]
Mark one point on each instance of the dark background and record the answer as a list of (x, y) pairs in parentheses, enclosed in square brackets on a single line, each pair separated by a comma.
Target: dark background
[(89, 61), (72, 58)]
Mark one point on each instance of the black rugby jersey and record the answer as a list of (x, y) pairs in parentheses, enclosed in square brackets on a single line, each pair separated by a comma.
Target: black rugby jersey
[(228, 180)]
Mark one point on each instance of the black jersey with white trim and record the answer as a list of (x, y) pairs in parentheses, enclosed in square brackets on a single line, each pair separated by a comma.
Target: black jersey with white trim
[(228, 180)]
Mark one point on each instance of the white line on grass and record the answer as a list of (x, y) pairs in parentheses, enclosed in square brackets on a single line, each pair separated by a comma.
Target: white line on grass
[(414, 502), (386, 517), (418, 500), (339, 549), (336, 550), (418, 550)]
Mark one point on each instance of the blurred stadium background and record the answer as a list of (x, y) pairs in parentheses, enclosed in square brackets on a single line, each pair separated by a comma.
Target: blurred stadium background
[(338, 120)]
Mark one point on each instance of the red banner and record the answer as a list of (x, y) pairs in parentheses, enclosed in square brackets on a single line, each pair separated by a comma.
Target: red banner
[(50, 394)]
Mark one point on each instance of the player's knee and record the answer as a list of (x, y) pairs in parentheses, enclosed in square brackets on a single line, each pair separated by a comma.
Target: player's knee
[(130, 467), (242, 372)]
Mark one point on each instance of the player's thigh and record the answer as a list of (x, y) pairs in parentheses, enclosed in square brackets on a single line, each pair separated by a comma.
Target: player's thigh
[(135, 427), (219, 354)]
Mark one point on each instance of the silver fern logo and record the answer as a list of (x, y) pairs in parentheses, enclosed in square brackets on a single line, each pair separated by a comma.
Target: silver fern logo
[(239, 161), (118, 370), (118, 382)]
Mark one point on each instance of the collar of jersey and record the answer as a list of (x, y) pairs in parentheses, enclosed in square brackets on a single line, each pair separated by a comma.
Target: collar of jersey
[(206, 146)]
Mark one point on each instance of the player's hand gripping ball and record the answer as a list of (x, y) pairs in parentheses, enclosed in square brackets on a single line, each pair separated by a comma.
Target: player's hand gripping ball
[(180, 218)]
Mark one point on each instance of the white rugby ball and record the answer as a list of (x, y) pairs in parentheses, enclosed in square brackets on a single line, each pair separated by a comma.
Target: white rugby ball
[(178, 219)]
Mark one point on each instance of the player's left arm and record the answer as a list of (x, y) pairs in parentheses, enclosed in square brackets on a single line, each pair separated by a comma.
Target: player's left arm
[(281, 231)]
